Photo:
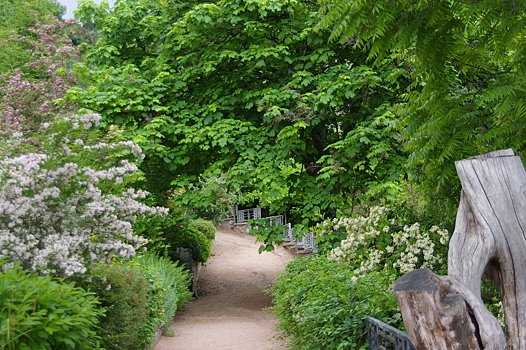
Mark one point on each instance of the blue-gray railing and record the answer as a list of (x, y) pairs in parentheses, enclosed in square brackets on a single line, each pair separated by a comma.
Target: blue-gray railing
[(381, 336)]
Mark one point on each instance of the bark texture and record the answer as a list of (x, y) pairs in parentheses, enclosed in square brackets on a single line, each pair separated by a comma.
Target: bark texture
[(447, 312)]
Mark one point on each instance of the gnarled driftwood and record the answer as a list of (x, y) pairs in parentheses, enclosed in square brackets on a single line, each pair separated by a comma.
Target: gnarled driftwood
[(447, 312)]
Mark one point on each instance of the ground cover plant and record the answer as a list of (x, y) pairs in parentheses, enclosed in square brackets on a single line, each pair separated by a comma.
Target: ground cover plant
[(320, 304), (322, 300), (39, 312)]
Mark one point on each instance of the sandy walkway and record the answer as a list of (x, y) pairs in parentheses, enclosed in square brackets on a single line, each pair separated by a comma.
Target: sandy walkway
[(229, 315)]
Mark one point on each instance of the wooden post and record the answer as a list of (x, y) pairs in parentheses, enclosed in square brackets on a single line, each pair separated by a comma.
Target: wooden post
[(489, 238)]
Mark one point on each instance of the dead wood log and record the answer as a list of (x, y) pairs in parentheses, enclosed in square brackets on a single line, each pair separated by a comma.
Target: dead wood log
[(489, 238), (442, 313)]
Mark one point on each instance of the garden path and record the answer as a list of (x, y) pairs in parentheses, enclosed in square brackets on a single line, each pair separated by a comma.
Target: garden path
[(229, 313)]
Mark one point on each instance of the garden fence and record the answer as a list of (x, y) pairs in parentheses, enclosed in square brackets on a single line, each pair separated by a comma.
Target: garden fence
[(246, 215), (381, 336)]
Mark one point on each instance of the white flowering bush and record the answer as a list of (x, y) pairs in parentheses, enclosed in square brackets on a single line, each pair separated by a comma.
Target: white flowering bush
[(374, 242), (63, 199)]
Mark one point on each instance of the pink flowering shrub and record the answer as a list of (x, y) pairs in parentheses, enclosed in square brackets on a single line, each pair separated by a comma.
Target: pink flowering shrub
[(31, 97), (66, 206)]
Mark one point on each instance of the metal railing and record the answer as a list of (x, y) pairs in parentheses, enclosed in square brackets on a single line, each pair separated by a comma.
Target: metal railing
[(381, 336), (274, 220), (307, 242), (245, 215)]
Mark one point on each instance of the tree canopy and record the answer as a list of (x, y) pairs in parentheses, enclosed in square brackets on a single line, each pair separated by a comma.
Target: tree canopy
[(468, 59), (247, 89)]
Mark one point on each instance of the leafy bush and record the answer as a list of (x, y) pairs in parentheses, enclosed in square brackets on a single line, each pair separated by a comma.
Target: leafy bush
[(189, 237), (166, 234), (132, 305), (267, 233), (206, 227), (175, 283), (321, 304), (208, 199), (38, 312)]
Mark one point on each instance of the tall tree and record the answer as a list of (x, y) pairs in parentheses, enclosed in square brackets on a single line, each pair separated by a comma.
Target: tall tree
[(16, 17), (248, 89), (468, 95)]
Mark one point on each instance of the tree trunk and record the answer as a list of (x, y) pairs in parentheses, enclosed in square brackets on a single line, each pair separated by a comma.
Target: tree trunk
[(489, 239)]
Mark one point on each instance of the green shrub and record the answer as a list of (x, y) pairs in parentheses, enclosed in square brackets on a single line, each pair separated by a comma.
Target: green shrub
[(44, 313), (321, 305), (175, 283), (133, 307), (168, 233), (209, 199), (205, 227), (189, 237)]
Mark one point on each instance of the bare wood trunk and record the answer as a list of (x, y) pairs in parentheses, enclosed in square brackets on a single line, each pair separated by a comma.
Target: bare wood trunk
[(442, 313), (489, 239)]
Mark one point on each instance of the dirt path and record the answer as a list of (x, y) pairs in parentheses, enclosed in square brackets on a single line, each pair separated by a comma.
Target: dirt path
[(229, 315)]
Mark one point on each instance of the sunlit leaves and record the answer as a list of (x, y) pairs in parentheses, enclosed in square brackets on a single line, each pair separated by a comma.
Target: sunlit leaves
[(248, 89)]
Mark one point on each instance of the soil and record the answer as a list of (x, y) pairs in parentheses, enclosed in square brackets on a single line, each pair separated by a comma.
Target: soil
[(230, 311)]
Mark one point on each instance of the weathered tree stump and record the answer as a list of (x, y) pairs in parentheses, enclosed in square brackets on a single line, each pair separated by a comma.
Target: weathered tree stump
[(489, 238)]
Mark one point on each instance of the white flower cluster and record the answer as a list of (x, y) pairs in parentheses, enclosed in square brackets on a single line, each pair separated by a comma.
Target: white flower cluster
[(417, 243), (360, 230), (403, 249), (55, 218)]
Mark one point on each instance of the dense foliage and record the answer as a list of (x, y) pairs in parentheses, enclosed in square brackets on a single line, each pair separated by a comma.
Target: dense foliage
[(131, 303), (248, 101), (33, 94), (245, 89), (468, 67), (209, 199), (168, 233), (39, 313), (205, 227), (175, 283), (322, 300), (321, 306), (17, 18), (68, 209), (140, 295)]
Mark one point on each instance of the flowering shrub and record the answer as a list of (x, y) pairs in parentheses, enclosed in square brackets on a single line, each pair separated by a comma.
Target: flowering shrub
[(30, 98), (374, 242), (66, 206)]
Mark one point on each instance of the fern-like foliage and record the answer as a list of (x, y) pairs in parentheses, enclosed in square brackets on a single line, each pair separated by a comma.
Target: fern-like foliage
[(468, 67)]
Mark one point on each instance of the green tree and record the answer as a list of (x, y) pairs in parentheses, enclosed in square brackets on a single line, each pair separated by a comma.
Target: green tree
[(16, 16), (468, 70), (246, 89)]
